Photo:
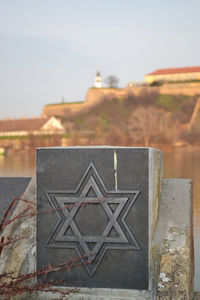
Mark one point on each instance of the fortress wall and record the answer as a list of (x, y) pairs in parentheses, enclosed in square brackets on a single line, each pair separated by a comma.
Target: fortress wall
[(139, 89), (189, 89), (62, 109), (94, 96)]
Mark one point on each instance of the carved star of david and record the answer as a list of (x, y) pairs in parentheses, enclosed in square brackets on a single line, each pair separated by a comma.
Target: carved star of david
[(123, 201)]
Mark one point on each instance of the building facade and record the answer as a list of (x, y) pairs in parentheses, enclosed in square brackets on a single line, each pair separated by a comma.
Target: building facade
[(174, 74), (33, 126)]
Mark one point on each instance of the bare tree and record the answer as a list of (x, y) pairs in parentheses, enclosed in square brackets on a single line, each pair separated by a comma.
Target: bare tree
[(151, 124), (112, 81)]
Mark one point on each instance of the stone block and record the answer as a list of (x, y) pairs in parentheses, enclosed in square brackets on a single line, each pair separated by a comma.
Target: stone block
[(101, 203), (11, 187), (174, 241), (19, 257)]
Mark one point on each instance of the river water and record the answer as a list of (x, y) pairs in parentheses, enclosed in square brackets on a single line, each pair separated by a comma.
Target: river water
[(178, 163)]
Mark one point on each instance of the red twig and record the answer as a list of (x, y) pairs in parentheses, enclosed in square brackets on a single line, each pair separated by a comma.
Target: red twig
[(7, 213), (11, 284)]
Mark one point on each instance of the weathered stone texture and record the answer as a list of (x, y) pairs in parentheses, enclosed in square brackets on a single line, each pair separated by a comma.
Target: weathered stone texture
[(129, 179), (173, 241), (11, 187), (20, 257)]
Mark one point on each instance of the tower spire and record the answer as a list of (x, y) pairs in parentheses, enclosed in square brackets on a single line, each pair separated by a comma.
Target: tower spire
[(98, 83)]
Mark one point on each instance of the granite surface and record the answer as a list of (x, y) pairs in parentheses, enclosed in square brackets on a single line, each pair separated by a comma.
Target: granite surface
[(11, 187), (99, 198)]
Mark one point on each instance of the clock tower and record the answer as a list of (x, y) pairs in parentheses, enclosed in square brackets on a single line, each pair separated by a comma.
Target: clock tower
[(98, 83)]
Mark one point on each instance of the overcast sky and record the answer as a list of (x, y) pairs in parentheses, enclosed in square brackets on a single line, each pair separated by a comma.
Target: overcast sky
[(50, 48)]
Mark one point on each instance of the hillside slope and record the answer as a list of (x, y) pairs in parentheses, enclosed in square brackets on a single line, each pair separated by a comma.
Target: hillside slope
[(144, 118)]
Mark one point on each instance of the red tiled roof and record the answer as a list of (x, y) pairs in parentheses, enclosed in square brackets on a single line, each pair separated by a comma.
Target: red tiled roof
[(176, 70), (22, 124)]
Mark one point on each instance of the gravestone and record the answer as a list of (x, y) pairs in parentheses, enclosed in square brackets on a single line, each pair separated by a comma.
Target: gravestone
[(99, 204), (11, 187)]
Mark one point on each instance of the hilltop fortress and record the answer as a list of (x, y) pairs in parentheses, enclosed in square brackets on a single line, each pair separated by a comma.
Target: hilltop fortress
[(98, 93)]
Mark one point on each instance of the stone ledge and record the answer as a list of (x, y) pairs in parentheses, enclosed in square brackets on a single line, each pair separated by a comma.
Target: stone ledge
[(94, 294)]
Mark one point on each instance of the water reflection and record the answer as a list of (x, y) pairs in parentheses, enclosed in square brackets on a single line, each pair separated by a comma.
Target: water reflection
[(17, 165)]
